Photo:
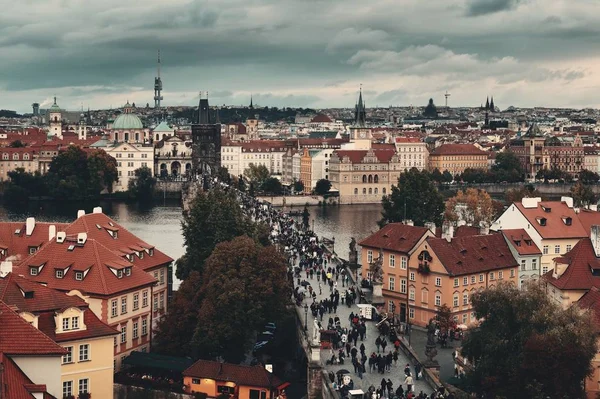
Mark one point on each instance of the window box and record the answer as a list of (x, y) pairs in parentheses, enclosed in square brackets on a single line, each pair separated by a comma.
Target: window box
[(423, 268)]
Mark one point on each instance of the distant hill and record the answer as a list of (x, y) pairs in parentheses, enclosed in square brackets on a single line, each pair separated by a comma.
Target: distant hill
[(267, 114), (7, 113)]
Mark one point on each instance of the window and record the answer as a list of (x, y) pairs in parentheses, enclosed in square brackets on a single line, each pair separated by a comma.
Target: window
[(481, 278), (545, 249), (491, 275), (59, 274), (512, 272), (83, 385), (136, 301), (392, 261), (533, 264), (135, 330), (544, 269), (411, 294), (465, 299), (411, 313), (144, 299), (455, 301), (33, 271), (438, 282), (123, 305), (161, 305), (568, 248), (196, 381), (155, 303), (472, 279), (79, 276), (465, 281), (74, 323), (464, 318), (370, 256), (144, 326), (392, 284), (424, 296), (500, 275), (162, 276), (68, 357), (65, 322), (403, 263), (523, 264), (84, 352), (113, 308), (557, 249), (123, 334), (438, 299), (412, 276), (456, 282), (67, 388), (155, 274), (403, 286)]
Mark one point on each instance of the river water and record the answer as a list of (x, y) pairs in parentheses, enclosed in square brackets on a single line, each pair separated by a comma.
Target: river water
[(161, 225)]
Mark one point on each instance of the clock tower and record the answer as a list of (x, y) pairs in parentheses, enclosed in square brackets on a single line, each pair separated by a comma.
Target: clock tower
[(359, 132)]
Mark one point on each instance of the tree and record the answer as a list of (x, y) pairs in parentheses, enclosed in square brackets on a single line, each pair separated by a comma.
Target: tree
[(142, 187), (214, 216), (470, 175), (525, 333), (298, 186), (517, 194), (473, 206), (257, 174), (437, 176), (588, 177), (272, 186), (583, 195), (322, 187), (16, 144), (444, 318), (447, 176), (223, 175), (417, 196), (102, 169), (244, 286), (507, 168)]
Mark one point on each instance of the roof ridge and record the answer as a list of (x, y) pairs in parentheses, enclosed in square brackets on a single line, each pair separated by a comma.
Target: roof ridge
[(100, 263)]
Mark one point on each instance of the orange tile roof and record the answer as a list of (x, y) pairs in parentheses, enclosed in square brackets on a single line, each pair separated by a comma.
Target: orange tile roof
[(19, 244), (321, 118), (555, 227), (95, 327), (521, 242), (16, 384), (357, 156), (591, 300), (42, 298), (402, 140), (396, 237), (256, 376), (457, 149), (474, 254), (21, 338), (588, 218), (581, 260)]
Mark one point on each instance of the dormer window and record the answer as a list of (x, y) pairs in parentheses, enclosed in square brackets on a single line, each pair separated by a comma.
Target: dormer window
[(33, 271), (28, 294), (567, 221), (141, 254), (151, 251), (541, 221), (60, 273), (119, 273), (518, 243), (79, 276)]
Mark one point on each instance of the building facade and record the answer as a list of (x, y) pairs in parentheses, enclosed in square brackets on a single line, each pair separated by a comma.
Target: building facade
[(455, 158), (13, 158), (129, 158), (172, 157), (412, 153), (527, 254)]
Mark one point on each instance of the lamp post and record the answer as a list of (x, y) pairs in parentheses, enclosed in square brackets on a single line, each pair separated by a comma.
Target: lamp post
[(305, 317)]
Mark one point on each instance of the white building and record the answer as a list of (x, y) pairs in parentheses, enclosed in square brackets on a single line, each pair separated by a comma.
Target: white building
[(412, 152), (129, 158), (320, 166), (237, 157), (55, 120)]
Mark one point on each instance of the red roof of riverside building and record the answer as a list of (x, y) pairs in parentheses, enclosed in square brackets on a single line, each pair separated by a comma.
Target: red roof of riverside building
[(396, 237), (256, 376), (357, 156), (402, 140), (99, 264), (553, 219), (457, 149), (474, 254), (95, 328), (521, 242), (581, 261), (16, 384), (321, 118), (19, 244), (21, 338)]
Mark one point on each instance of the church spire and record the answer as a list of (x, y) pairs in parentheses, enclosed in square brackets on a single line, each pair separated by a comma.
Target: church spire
[(487, 103), (492, 107), (251, 105), (360, 113)]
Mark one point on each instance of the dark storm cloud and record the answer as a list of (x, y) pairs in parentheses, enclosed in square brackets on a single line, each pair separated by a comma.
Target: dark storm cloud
[(476, 8)]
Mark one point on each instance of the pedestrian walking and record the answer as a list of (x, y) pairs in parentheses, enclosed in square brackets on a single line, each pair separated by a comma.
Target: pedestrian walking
[(409, 383), (378, 343)]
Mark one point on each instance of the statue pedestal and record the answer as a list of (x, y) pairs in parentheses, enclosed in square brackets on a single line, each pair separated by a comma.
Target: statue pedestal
[(315, 353), (377, 294)]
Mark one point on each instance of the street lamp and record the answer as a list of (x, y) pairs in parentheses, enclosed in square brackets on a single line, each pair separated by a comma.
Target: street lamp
[(305, 317)]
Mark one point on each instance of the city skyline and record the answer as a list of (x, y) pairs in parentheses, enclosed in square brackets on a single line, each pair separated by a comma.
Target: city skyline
[(301, 53)]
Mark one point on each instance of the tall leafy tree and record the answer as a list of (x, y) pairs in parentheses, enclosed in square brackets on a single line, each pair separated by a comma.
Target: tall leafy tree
[(272, 186), (322, 187), (583, 195), (298, 186), (507, 168), (417, 194), (527, 346), (142, 187), (244, 286), (588, 177), (257, 174), (215, 216), (473, 206)]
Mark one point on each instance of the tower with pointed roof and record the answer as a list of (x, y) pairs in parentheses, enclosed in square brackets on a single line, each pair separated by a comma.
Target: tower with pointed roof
[(157, 85), (492, 107), (55, 120), (359, 132), (251, 104), (206, 141), (487, 103)]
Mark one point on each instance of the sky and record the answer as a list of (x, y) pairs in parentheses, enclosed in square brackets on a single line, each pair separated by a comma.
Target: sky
[(300, 53)]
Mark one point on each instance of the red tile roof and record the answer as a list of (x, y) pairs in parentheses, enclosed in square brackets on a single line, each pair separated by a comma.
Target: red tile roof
[(580, 260), (123, 244), (21, 338), (18, 244), (42, 298), (588, 218), (16, 384), (396, 237), (457, 149), (554, 214), (321, 118), (256, 376), (357, 156), (402, 140), (92, 258), (474, 254), (94, 327), (466, 231), (591, 300), (521, 242)]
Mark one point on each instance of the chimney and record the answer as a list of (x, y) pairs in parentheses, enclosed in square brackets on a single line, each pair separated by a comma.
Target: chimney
[(447, 231), (51, 232), (408, 222), (595, 238), (80, 213), (29, 226), (531, 202), (5, 268), (484, 228), (568, 200), (61, 236), (81, 238), (97, 209), (594, 208), (430, 226)]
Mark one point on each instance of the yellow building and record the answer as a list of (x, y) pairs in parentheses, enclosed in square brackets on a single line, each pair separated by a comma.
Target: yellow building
[(306, 170), (244, 382), (455, 158), (13, 158)]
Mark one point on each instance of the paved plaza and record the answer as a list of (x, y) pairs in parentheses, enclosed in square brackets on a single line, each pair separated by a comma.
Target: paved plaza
[(396, 375)]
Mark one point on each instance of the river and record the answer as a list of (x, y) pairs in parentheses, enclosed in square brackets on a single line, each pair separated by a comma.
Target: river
[(161, 225)]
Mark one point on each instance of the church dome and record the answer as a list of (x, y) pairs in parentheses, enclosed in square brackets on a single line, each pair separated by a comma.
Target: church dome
[(127, 121)]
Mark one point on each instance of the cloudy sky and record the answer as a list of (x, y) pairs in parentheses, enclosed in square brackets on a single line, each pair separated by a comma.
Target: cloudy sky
[(311, 53)]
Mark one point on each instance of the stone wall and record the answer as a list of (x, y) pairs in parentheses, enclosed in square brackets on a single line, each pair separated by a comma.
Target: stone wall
[(293, 200), (550, 190)]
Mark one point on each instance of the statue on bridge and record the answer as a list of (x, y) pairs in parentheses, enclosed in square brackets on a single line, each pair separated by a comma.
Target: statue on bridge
[(353, 255), (316, 332), (376, 269)]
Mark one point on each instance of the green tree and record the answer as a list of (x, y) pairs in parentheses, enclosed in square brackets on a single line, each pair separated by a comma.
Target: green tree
[(215, 216), (257, 174), (517, 194), (417, 194), (142, 187), (588, 177), (272, 186), (223, 175), (322, 187), (583, 195), (16, 144), (437, 176), (447, 176), (525, 333), (298, 186), (507, 168), (244, 286), (444, 318)]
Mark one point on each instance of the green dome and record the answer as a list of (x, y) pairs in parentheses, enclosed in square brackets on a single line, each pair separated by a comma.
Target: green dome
[(163, 127), (127, 121)]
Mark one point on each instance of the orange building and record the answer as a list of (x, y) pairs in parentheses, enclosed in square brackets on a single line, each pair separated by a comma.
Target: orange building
[(448, 271), (243, 382), (306, 170), (455, 158), (397, 242)]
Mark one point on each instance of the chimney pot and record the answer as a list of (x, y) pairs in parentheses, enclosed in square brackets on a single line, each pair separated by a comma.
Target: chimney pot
[(80, 213), (29, 226), (51, 232)]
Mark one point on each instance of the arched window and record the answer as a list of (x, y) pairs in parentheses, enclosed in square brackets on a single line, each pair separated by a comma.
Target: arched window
[(137, 137), (116, 136), (126, 136), (376, 190), (376, 179), (384, 190), (157, 137), (364, 191), (370, 190), (370, 178), (356, 191), (364, 178)]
